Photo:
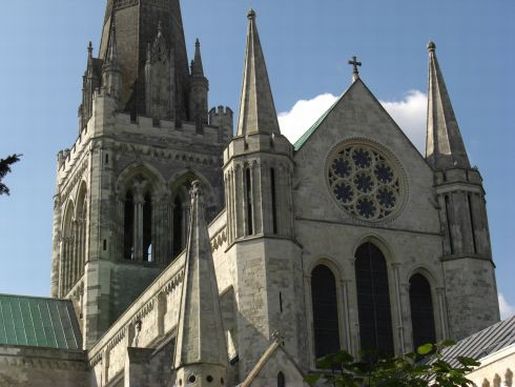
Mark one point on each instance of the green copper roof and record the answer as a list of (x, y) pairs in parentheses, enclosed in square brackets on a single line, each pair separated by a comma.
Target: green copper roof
[(38, 322)]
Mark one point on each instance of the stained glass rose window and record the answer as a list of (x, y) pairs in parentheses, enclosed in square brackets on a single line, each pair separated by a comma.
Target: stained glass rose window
[(364, 182)]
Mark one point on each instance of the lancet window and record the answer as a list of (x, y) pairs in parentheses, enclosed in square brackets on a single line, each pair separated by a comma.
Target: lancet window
[(181, 211), (422, 315), (375, 321), (325, 311), (138, 218)]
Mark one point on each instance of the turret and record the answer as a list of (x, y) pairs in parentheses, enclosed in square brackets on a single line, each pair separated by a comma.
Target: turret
[(111, 72), (467, 258), (199, 87), (200, 352), (259, 158), (258, 169), (90, 84)]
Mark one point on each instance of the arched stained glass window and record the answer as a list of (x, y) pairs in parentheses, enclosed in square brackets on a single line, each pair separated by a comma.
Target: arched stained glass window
[(375, 321), (422, 315), (325, 311)]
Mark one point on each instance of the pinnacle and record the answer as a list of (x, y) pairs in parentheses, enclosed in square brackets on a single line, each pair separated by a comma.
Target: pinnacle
[(445, 147), (257, 109)]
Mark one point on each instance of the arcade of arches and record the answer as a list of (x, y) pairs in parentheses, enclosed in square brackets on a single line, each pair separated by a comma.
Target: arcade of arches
[(374, 306), (153, 225)]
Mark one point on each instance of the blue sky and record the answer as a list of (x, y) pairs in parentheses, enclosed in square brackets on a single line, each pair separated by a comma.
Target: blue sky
[(307, 44)]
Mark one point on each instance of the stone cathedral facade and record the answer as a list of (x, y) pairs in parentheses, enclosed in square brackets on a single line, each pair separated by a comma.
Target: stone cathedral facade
[(187, 252)]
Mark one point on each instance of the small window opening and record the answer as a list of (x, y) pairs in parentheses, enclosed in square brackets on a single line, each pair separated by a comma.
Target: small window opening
[(105, 245), (281, 380), (472, 225), (248, 194), (448, 218), (281, 302), (106, 159), (274, 203)]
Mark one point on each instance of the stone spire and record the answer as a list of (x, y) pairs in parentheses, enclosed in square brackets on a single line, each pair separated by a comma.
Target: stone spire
[(197, 69), (257, 110), (444, 144), (111, 72), (136, 24), (199, 90), (200, 339)]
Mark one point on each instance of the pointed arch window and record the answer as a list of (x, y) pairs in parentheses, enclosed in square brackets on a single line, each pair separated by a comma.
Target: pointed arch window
[(128, 226), (325, 311), (422, 314), (375, 321), (67, 249), (147, 228)]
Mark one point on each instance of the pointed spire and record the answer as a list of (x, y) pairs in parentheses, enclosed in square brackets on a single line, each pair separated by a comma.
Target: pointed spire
[(257, 110), (444, 144), (201, 337), (112, 51), (197, 69)]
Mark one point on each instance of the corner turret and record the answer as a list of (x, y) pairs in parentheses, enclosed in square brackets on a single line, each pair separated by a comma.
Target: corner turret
[(467, 254), (258, 174), (199, 84), (111, 72)]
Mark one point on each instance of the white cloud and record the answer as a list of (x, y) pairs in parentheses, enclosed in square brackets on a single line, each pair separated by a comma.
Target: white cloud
[(507, 309), (409, 112), (303, 115)]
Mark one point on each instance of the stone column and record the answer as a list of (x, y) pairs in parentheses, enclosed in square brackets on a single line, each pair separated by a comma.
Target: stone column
[(400, 327)]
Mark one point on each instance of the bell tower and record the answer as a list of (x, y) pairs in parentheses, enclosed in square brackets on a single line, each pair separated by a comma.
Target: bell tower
[(122, 206)]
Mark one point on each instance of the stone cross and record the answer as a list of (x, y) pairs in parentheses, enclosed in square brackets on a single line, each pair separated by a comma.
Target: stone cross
[(355, 64)]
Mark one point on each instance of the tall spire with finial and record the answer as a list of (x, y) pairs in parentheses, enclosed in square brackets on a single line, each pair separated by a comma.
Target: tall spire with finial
[(197, 69), (200, 337), (257, 109), (444, 145)]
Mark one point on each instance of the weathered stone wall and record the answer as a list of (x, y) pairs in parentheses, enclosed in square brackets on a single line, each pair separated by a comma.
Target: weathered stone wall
[(42, 367)]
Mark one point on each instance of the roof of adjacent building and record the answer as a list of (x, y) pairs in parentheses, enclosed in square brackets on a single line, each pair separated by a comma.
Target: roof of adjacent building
[(38, 322), (483, 343)]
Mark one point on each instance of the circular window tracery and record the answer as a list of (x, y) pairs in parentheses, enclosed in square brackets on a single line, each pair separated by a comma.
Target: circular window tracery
[(364, 182)]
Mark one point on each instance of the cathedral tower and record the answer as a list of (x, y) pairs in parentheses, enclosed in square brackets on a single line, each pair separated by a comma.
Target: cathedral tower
[(467, 260), (258, 170), (122, 200)]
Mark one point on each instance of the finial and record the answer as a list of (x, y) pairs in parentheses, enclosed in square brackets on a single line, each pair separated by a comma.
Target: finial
[(431, 46), (355, 64), (159, 28), (252, 14), (90, 49), (196, 190), (197, 43)]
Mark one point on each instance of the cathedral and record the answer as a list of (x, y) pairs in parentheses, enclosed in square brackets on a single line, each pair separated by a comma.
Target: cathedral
[(195, 247)]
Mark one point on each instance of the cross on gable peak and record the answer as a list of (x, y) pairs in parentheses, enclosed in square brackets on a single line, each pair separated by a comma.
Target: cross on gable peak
[(355, 70)]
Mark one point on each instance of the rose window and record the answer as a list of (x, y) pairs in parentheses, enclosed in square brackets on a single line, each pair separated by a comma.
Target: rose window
[(364, 182)]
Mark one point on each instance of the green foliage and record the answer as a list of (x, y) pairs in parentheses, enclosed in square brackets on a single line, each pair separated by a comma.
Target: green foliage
[(5, 168), (425, 367)]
